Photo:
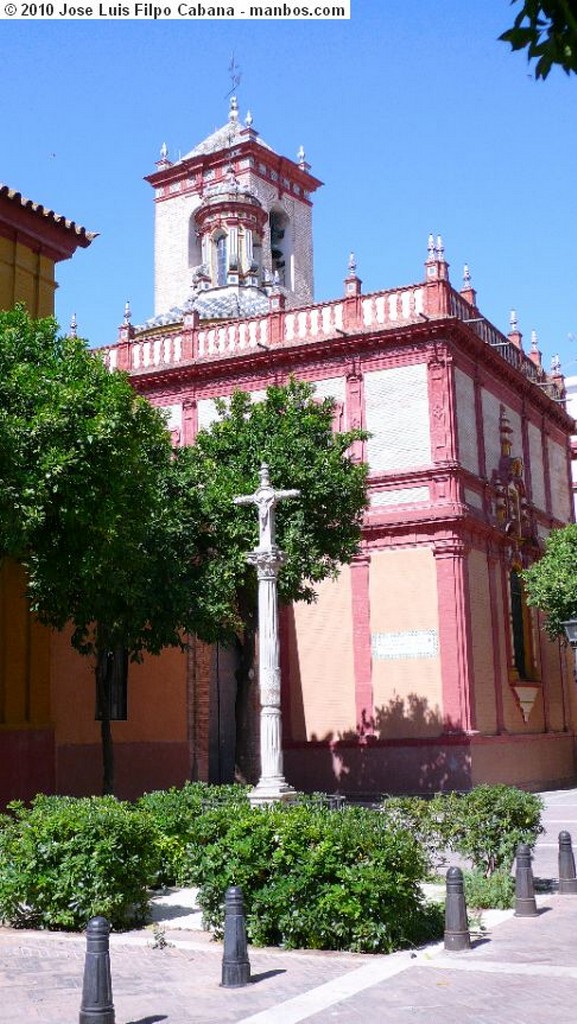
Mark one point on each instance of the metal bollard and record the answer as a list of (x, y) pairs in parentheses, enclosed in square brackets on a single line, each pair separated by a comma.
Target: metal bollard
[(457, 935), (235, 962), (567, 875), (525, 905), (97, 1006)]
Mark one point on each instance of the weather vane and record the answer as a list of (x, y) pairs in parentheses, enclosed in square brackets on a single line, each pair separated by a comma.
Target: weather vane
[(235, 75)]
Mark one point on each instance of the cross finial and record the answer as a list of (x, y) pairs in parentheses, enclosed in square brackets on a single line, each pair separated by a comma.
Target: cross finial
[(265, 498), (235, 76)]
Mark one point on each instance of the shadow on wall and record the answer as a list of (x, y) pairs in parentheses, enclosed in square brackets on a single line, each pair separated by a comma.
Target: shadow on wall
[(406, 746)]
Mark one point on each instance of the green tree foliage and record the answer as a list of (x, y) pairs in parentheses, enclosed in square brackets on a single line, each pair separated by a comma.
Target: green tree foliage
[(92, 504), (547, 29), (551, 583), (293, 433)]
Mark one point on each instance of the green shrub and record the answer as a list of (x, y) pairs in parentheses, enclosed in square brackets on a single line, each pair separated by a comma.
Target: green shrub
[(491, 821), (495, 891), (65, 860), (176, 814), (313, 878), (484, 825)]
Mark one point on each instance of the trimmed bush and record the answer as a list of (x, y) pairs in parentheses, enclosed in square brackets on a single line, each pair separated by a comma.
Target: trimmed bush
[(65, 860), (484, 825), (492, 821), (176, 815), (312, 878)]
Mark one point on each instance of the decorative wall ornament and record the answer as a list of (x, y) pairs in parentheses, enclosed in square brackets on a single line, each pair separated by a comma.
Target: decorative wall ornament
[(511, 507)]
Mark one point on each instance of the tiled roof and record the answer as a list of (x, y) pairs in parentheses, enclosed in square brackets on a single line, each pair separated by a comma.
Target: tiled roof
[(83, 236), (215, 304), (223, 138)]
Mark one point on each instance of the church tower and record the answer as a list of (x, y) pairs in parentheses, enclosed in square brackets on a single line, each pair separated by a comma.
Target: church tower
[(233, 220)]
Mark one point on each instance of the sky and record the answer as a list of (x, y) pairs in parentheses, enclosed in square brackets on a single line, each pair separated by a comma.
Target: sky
[(413, 115)]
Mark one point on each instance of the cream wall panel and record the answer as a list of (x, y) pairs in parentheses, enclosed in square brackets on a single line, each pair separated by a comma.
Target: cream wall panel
[(397, 416), (466, 422), (403, 601), (558, 474), (537, 469), (321, 663)]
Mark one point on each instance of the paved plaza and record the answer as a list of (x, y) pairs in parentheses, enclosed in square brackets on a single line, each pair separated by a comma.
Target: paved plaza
[(519, 971)]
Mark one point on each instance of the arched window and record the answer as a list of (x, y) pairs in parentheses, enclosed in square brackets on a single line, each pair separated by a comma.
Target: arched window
[(221, 260), (279, 246), (522, 641)]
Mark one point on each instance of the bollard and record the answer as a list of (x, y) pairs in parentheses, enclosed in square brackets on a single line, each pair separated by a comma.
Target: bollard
[(235, 962), (97, 1006), (567, 876), (525, 905), (457, 935)]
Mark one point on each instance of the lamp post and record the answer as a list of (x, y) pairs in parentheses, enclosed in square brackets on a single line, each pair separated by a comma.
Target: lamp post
[(570, 627)]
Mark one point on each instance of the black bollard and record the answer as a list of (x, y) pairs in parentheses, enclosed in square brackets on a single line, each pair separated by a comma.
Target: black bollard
[(525, 905), (567, 876), (457, 935), (235, 962), (97, 1006)]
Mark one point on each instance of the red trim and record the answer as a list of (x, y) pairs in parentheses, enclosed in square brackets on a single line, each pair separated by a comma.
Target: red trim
[(361, 612), (454, 640)]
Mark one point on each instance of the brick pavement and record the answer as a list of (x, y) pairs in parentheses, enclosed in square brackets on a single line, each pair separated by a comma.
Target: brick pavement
[(522, 971)]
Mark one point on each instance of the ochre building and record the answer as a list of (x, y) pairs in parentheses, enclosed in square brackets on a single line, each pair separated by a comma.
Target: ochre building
[(32, 240)]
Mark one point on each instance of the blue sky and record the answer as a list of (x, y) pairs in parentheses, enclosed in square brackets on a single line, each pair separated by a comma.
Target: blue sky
[(411, 113)]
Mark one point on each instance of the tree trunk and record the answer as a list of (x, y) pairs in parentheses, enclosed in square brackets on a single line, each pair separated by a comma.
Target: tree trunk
[(246, 720), (104, 666)]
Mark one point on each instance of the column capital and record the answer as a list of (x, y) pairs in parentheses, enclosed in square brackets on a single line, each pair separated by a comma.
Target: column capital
[(450, 547)]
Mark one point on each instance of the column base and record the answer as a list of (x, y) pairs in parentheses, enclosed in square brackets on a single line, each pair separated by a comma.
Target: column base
[(272, 791)]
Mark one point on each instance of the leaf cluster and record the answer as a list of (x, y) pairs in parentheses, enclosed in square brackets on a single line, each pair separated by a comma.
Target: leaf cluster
[(293, 433), (551, 582), (547, 29), (315, 878), (91, 502), (484, 825), (65, 860)]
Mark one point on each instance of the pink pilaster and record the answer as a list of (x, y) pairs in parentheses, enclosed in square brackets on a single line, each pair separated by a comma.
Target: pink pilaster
[(364, 701), (454, 640), (190, 420), (355, 411), (493, 572)]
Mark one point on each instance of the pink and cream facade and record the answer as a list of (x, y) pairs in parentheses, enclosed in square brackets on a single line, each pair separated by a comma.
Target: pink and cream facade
[(421, 668)]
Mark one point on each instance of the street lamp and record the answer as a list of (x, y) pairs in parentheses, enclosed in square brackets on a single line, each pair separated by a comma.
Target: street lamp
[(570, 627)]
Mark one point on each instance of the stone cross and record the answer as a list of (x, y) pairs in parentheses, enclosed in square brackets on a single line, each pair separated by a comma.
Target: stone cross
[(265, 498), (268, 558)]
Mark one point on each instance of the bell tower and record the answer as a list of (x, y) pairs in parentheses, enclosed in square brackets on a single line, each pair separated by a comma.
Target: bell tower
[(232, 220)]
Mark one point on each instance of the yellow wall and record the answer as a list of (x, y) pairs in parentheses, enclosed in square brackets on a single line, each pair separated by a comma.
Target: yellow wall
[(26, 276), (156, 698), (24, 655)]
